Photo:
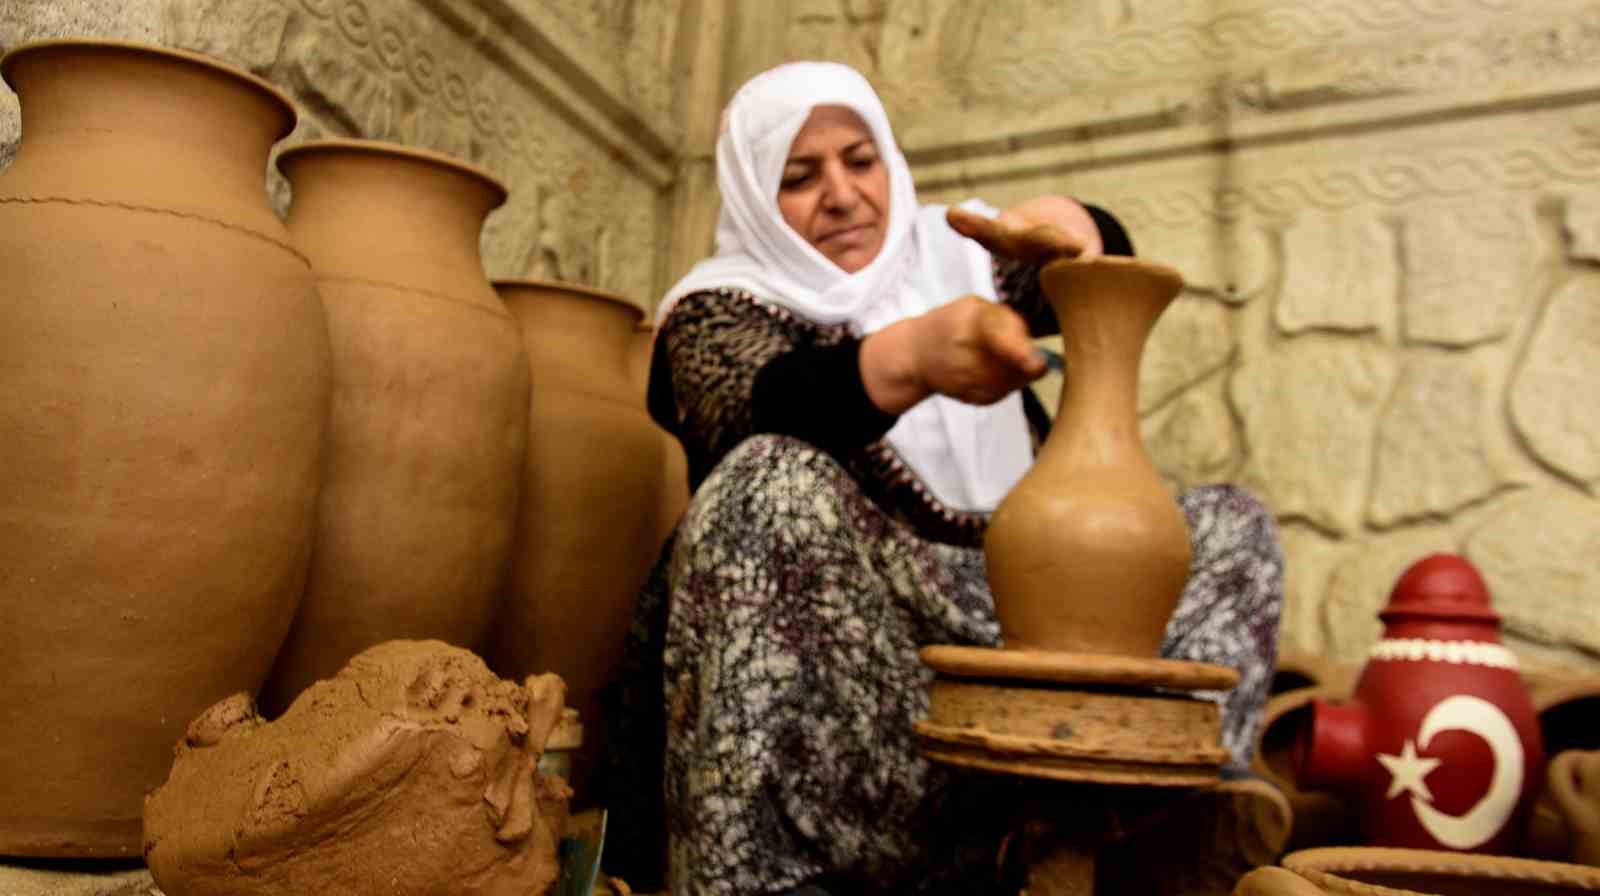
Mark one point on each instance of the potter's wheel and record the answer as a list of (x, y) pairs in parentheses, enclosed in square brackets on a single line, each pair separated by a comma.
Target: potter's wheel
[(1075, 716)]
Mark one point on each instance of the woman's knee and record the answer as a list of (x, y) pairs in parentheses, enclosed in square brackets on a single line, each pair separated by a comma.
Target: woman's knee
[(767, 487)]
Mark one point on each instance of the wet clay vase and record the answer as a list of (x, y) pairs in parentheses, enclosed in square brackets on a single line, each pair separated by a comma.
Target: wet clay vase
[(1440, 743), (164, 380), (675, 475), (430, 406), (1089, 552), (592, 477), (1367, 871)]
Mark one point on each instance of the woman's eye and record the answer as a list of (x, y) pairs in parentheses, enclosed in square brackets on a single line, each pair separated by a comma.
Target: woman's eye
[(863, 163), (794, 181)]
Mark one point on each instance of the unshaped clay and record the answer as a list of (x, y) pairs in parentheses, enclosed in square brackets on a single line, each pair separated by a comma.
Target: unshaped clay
[(413, 772)]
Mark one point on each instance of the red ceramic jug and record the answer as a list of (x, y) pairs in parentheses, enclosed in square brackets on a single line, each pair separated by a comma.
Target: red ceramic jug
[(1440, 743)]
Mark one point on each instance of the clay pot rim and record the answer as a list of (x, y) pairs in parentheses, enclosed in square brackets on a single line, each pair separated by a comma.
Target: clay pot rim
[(1154, 270), (291, 112), (563, 286), (381, 148), (1335, 861)]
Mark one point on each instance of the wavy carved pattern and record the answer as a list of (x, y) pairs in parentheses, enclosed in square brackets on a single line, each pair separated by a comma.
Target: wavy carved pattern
[(1387, 181), (1272, 28)]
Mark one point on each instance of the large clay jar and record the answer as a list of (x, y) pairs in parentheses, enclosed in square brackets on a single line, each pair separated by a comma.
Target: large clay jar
[(592, 485), (164, 382), (1089, 552), (1440, 743), (430, 406)]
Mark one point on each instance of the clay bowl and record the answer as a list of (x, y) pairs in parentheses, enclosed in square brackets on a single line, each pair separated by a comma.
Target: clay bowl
[(1373, 871)]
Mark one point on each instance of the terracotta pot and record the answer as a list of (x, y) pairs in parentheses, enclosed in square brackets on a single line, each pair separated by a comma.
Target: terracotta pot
[(1575, 792), (164, 398), (1407, 872), (675, 475), (430, 419), (1321, 818), (1440, 743), (1089, 552), (592, 480)]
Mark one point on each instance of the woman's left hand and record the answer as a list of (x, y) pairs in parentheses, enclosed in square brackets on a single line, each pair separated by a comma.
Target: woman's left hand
[(1037, 231)]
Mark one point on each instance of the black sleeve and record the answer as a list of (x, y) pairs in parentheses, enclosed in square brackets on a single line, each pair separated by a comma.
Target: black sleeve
[(816, 393)]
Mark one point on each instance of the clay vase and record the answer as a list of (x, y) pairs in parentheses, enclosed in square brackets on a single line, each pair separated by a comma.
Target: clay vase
[(430, 406), (1440, 743), (1365, 871), (675, 475), (1089, 552), (164, 380), (592, 484)]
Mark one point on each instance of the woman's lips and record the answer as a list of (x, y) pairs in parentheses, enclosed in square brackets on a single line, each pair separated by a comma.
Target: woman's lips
[(849, 236)]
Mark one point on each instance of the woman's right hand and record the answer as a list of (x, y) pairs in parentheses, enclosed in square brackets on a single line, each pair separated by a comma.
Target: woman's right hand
[(969, 349)]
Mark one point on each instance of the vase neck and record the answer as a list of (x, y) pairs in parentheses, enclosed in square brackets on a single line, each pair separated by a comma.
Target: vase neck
[(143, 119), (1106, 308), (574, 335), (364, 210)]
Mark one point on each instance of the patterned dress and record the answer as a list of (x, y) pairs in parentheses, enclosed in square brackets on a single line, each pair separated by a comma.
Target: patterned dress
[(773, 660)]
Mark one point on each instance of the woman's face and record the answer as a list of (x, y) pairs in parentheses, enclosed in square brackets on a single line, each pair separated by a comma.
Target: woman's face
[(835, 189)]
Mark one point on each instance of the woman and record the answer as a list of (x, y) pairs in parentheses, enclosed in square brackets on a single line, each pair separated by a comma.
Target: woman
[(849, 395)]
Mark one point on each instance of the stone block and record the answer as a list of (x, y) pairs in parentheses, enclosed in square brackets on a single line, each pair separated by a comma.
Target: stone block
[(79, 881), (1191, 340), (1469, 268), (1341, 272), (1552, 393), (1309, 412), (1537, 551)]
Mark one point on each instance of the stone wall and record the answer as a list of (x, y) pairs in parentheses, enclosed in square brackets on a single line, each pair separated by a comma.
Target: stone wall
[(1388, 212), (574, 104)]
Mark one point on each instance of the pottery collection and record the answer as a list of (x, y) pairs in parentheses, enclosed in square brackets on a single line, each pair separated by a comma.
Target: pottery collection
[(429, 424), (243, 455), (1089, 552), (164, 395), (1440, 743)]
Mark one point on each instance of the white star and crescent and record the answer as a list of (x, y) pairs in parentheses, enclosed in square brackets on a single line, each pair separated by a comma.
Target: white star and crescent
[(1489, 815)]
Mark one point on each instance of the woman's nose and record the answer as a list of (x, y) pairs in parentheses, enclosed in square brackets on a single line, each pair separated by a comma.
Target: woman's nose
[(839, 191)]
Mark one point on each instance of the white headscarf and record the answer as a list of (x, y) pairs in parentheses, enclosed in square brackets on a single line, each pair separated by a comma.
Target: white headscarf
[(967, 456)]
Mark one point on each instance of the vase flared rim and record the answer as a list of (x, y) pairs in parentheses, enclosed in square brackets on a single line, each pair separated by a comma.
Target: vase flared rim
[(291, 112), (1152, 269), (386, 149), (589, 292)]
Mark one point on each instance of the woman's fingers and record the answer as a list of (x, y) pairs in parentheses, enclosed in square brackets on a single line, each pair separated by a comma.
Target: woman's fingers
[(1033, 243), (1006, 339)]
